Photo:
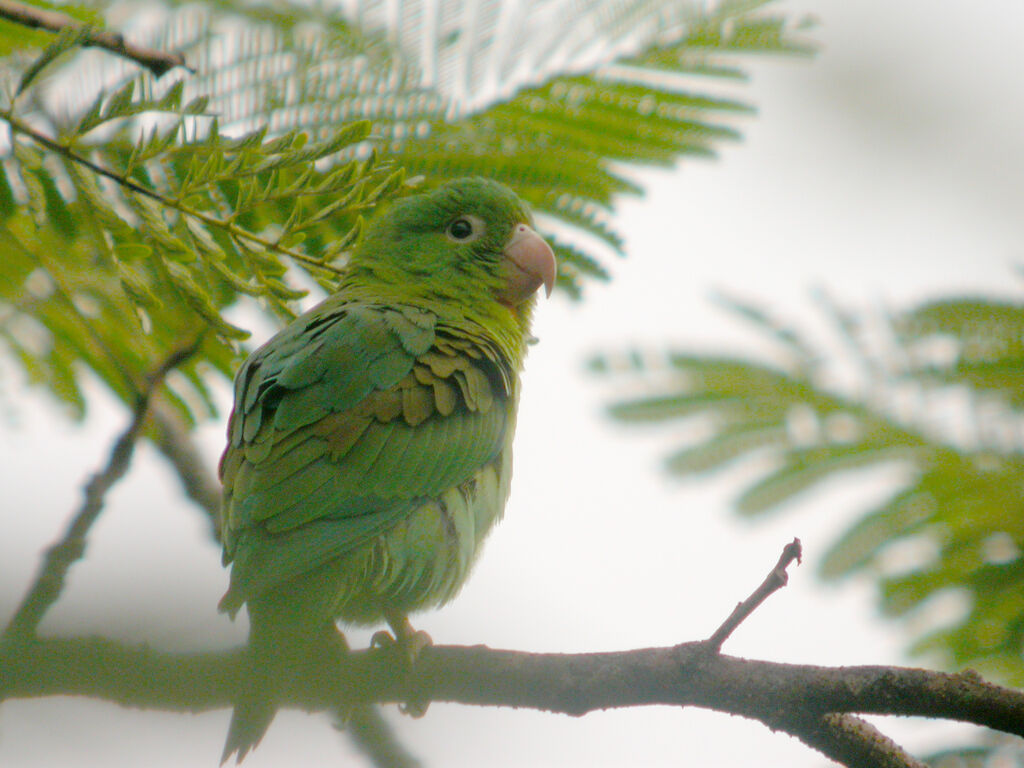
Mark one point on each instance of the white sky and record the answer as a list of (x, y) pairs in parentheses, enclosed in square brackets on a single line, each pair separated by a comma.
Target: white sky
[(887, 169)]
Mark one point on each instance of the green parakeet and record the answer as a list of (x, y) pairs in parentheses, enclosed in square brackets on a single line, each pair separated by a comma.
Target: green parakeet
[(369, 449)]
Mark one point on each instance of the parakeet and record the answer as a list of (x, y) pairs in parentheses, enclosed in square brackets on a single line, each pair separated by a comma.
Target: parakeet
[(369, 449)]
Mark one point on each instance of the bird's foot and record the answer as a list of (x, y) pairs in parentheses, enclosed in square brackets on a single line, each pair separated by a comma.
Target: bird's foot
[(410, 648), (407, 644), (406, 640)]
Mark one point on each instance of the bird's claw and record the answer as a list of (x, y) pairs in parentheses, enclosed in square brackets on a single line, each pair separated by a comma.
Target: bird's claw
[(383, 639), (407, 647), (416, 709), (414, 644), (407, 644)]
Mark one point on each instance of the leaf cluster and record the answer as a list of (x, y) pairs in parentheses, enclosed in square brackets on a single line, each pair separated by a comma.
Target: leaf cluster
[(568, 145), (140, 209), (122, 250), (954, 531)]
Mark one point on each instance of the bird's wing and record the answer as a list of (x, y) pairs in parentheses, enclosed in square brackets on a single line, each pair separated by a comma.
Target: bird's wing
[(343, 424)]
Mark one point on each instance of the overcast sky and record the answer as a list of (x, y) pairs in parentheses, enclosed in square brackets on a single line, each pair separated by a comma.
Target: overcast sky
[(887, 169)]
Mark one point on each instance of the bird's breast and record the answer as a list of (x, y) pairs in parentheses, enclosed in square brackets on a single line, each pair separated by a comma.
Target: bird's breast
[(422, 561)]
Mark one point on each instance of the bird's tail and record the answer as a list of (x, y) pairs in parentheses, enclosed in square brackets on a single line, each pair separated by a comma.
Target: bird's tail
[(269, 638), (249, 721), (288, 641), (266, 668)]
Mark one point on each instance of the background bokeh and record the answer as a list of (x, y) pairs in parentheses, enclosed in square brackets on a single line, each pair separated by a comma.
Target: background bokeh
[(887, 169)]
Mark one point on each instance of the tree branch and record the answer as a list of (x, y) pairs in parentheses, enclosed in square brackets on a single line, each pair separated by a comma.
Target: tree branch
[(59, 558), (845, 739), (809, 701), (158, 62), (814, 704)]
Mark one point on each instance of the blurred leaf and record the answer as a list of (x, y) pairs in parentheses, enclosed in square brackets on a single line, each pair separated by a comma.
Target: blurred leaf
[(67, 40), (957, 523)]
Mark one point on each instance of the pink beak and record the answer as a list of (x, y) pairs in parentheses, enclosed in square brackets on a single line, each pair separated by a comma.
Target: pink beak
[(530, 263)]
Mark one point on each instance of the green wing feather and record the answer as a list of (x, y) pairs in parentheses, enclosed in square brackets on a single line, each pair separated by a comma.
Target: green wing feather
[(348, 421)]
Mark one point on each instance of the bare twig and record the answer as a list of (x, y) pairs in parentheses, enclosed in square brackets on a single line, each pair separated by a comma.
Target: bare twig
[(372, 735), (158, 62), (59, 558), (173, 439), (775, 580)]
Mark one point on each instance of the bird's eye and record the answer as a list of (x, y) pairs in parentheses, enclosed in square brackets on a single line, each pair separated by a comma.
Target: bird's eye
[(460, 229), (465, 229)]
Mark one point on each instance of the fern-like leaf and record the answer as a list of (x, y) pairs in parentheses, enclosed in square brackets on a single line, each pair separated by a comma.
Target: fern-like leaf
[(962, 500)]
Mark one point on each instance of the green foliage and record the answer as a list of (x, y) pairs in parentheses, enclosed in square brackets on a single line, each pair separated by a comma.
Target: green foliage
[(983, 343), (119, 254), (962, 509), (141, 209)]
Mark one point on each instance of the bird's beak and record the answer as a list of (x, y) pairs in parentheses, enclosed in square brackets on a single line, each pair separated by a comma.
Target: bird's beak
[(529, 263)]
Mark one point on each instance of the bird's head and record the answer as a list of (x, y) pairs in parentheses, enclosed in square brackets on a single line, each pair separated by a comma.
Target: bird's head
[(467, 246)]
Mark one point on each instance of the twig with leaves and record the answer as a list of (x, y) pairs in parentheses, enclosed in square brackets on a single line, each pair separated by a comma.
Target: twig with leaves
[(349, 134), (959, 487)]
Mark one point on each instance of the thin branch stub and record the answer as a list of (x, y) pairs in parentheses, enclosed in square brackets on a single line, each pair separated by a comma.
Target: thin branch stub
[(776, 579)]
